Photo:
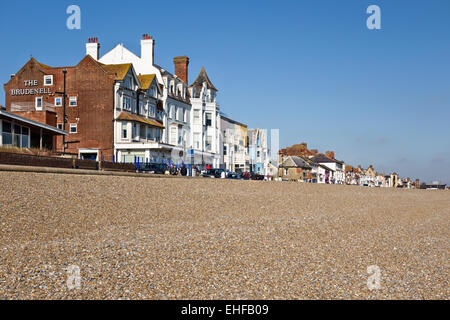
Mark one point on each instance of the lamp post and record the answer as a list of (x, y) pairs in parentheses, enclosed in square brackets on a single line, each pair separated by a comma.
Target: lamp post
[(64, 110)]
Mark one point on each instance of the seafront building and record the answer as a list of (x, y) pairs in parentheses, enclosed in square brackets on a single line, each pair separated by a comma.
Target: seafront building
[(235, 145), (190, 113), (106, 107), (258, 151)]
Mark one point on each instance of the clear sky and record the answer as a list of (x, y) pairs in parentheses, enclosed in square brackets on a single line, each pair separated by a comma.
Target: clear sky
[(310, 68)]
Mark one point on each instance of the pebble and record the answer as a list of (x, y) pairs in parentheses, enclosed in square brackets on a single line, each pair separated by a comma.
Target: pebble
[(168, 238)]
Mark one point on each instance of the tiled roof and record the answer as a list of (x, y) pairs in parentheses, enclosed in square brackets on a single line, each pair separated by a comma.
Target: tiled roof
[(321, 158), (146, 80), (45, 66), (296, 162), (132, 117), (120, 70), (201, 78)]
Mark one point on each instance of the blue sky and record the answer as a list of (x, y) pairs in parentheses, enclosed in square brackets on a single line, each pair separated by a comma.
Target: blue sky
[(310, 68)]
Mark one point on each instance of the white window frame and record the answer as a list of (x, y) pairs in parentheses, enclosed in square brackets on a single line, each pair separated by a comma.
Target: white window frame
[(124, 128), (48, 77), (71, 98), (36, 103), (126, 106), (173, 135), (197, 120), (60, 104), (73, 125)]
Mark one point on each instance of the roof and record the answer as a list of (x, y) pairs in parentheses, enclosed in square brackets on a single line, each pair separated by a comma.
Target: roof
[(326, 168), (46, 127), (202, 78), (324, 159), (297, 162), (133, 117), (232, 121), (146, 80), (120, 70)]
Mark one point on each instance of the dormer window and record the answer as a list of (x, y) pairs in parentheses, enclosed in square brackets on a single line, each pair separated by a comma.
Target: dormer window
[(48, 80), (128, 83)]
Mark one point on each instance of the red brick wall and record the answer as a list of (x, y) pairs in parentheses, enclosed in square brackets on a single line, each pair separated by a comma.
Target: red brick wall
[(94, 112), (46, 117), (181, 67)]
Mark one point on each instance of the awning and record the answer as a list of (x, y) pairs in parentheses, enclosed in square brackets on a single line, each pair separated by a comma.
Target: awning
[(45, 127), (132, 117)]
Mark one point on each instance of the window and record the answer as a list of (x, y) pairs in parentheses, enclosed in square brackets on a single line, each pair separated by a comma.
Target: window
[(17, 135), (25, 138), (197, 117), (141, 108), (7, 133), (124, 130), (48, 80), (174, 110), (58, 102), (197, 140), (208, 119), (150, 133), (224, 150), (133, 108), (151, 111), (152, 91), (72, 101), (173, 135), (126, 103), (134, 131), (39, 104), (60, 126), (19, 139), (208, 143), (184, 115), (73, 128), (128, 83)]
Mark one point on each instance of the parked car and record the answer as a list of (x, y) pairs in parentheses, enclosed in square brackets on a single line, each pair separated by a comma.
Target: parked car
[(256, 176), (157, 168), (234, 176), (213, 173)]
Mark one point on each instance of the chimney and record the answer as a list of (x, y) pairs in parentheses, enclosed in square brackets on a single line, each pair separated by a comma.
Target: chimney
[(148, 49), (93, 48), (181, 67)]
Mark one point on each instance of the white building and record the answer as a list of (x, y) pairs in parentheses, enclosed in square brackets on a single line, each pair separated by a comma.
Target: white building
[(205, 121), (175, 101), (235, 147), (258, 151), (336, 166)]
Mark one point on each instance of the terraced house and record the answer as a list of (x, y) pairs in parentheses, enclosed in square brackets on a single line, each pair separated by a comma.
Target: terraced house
[(175, 102), (111, 113)]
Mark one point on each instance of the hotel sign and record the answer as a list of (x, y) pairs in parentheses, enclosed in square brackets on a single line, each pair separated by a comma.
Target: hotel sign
[(30, 91)]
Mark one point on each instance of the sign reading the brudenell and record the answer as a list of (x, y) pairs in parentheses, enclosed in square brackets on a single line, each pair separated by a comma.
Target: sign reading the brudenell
[(30, 91)]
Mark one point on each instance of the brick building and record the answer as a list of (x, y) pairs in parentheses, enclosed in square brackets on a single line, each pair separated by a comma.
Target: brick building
[(109, 113)]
